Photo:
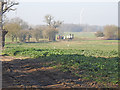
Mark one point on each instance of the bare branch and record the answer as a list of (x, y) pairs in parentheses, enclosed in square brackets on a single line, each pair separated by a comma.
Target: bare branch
[(11, 9), (8, 8)]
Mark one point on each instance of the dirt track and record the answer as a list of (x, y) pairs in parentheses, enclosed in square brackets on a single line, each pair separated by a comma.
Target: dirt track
[(27, 73)]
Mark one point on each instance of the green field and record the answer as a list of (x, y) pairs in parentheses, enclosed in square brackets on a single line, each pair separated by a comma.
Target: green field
[(81, 34), (105, 45), (96, 59)]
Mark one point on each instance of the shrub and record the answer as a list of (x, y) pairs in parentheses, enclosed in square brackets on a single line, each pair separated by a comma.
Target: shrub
[(99, 34)]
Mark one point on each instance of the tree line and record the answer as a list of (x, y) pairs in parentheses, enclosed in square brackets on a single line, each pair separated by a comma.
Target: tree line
[(19, 30)]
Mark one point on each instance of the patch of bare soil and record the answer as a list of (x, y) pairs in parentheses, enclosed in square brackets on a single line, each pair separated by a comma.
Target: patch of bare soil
[(32, 73), (10, 58)]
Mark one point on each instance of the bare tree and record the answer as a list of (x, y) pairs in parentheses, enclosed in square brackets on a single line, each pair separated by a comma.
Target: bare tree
[(49, 20), (5, 6), (52, 27)]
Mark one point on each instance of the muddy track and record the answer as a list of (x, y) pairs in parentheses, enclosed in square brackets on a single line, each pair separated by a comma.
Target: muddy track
[(27, 73)]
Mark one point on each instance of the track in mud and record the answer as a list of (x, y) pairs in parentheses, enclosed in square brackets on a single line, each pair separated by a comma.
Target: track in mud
[(27, 73)]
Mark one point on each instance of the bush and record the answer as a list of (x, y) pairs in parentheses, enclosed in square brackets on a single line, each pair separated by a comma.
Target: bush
[(111, 32), (99, 34)]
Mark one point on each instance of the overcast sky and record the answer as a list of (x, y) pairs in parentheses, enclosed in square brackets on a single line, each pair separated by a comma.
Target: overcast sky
[(93, 13)]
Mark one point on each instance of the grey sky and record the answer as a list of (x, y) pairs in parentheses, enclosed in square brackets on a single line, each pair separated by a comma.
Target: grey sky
[(94, 13)]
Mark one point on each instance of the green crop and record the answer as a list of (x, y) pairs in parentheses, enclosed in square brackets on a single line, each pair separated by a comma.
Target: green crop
[(92, 64)]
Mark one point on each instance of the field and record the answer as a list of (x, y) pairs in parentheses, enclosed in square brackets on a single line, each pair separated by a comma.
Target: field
[(82, 34), (94, 61)]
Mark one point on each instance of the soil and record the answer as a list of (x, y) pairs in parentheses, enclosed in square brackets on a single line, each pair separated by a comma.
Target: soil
[(32, 73)]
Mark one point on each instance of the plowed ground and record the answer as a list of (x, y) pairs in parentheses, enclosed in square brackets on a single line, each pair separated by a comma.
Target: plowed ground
[(32, 73)]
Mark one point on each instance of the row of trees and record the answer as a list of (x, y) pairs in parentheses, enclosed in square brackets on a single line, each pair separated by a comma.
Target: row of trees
[(20, 30), (110, 32)]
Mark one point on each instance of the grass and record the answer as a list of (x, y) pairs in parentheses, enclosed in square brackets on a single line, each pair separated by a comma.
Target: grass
[(104, 45), (81, 34)]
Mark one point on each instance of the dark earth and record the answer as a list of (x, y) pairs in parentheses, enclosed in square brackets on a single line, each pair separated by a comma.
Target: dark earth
[(32, 73)]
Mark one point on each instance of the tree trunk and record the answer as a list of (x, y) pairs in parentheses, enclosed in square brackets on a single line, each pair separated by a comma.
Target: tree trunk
[(4, 32), (1, 39), (16, 38), (29, 38), (54, 38), (13, 38)]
